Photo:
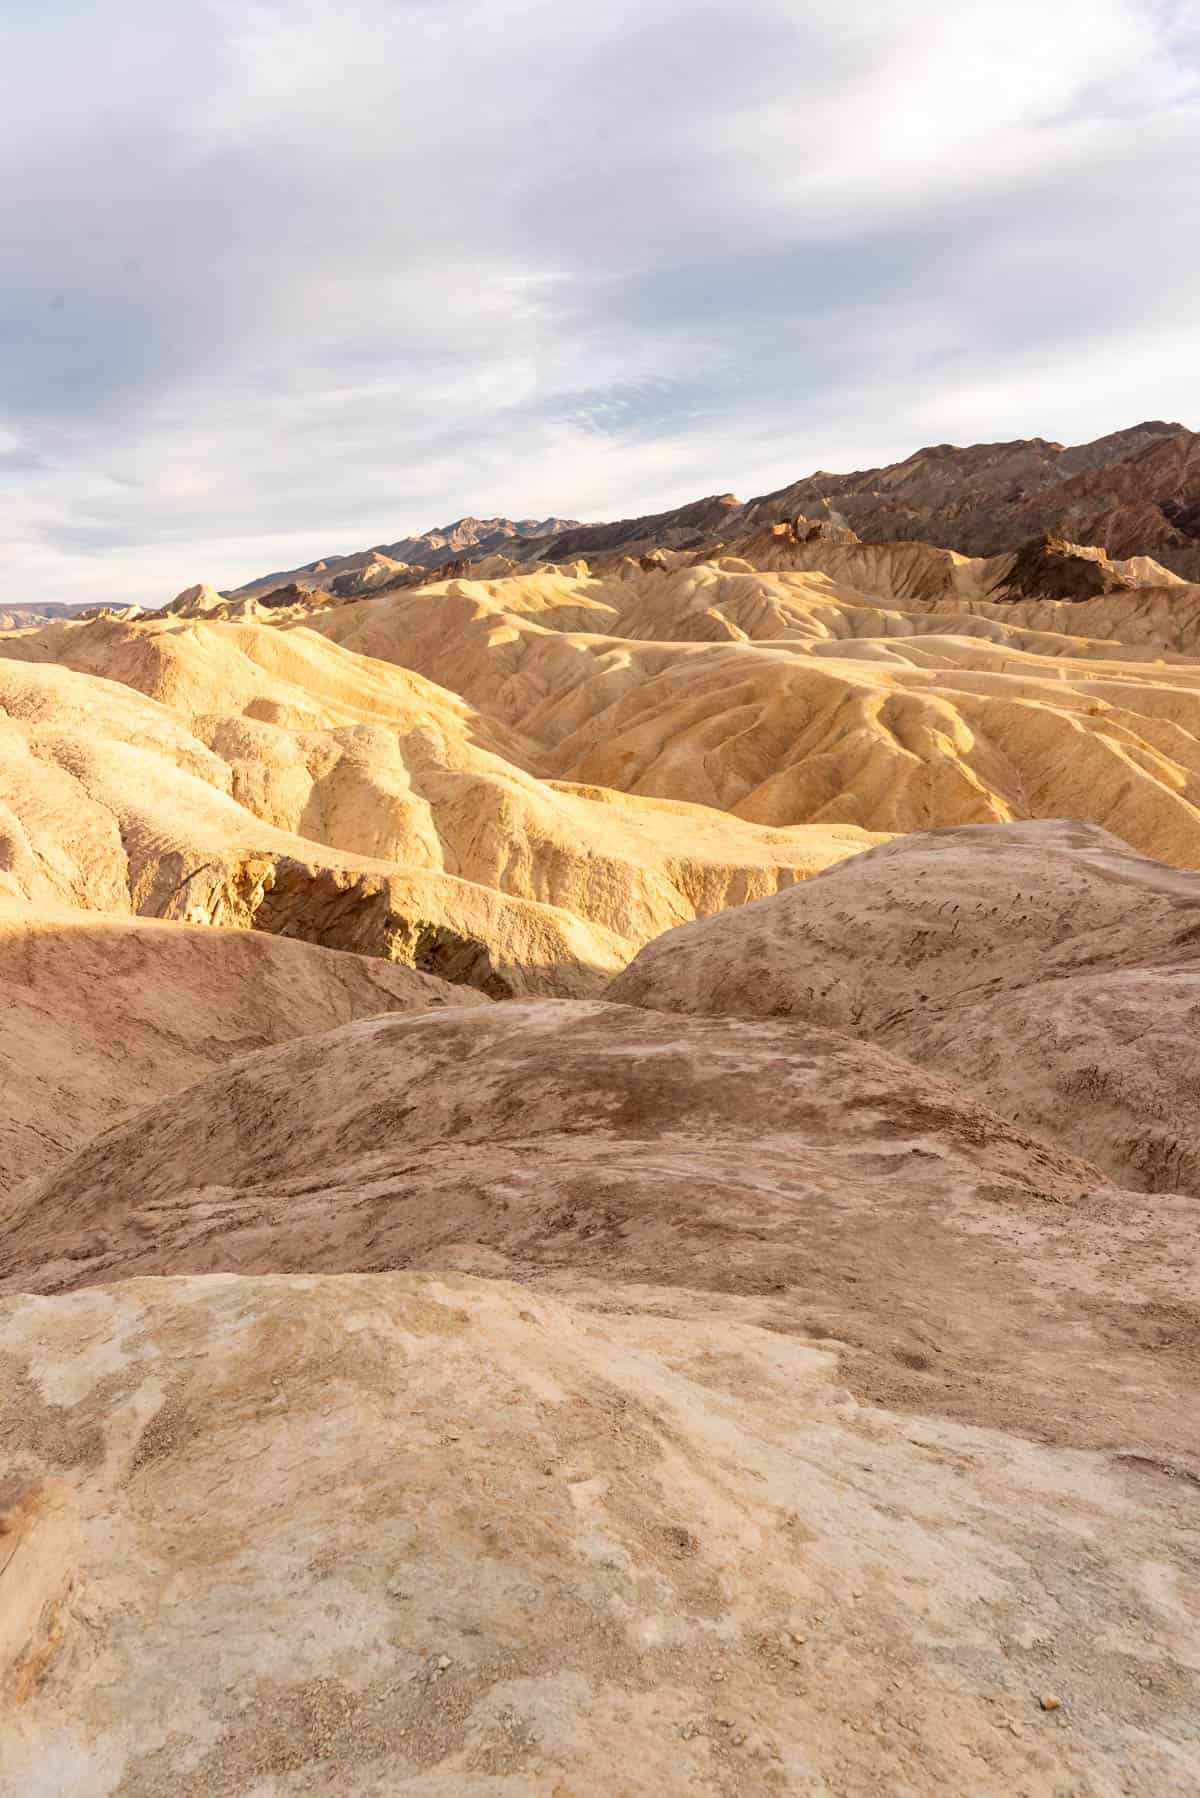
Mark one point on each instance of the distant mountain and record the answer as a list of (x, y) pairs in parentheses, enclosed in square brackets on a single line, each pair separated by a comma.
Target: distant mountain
[(23, 617), (1132, 493), (485, 536), (687, 527), (365, 569)]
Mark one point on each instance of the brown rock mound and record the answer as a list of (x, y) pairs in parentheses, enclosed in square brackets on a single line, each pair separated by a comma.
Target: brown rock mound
[(846, 1190), (1045, 967), (1048, 567)]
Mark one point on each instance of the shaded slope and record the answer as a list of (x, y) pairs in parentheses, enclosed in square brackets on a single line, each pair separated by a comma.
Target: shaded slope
[(104, 1016)]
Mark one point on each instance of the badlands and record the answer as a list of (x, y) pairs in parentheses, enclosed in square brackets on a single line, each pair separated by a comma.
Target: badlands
[(599, 1184)]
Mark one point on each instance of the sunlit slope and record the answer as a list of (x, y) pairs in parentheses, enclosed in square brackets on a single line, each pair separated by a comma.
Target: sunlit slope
[(786, 699), (237, 773), (520, 780)]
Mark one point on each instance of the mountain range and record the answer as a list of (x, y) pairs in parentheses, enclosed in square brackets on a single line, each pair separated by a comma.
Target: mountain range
[(1133, 492)]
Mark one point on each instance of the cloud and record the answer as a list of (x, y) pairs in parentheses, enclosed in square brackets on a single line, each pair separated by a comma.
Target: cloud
[(292, 276)]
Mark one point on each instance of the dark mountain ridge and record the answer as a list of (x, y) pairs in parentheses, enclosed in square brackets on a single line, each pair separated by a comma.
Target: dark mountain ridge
[(1133, 492)]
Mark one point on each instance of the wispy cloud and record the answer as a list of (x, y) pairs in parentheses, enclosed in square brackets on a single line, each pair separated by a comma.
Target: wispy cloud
[(291, 276)]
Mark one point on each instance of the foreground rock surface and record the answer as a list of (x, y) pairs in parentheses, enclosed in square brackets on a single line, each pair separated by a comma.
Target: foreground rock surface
[(444, 1537), (968, 1267)]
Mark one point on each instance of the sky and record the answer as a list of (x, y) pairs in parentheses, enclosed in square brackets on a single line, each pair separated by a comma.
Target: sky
[(284, 278)]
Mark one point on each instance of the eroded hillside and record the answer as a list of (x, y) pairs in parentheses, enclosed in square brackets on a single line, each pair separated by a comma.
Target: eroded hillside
[(517, 780)]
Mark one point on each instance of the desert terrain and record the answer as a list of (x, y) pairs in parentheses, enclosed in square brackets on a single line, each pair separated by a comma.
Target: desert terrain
[(599, 1187)]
